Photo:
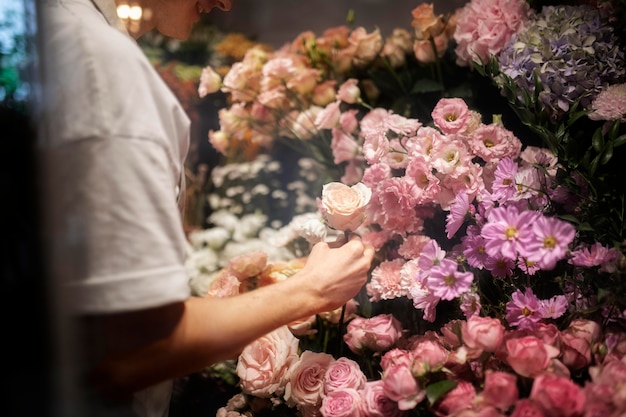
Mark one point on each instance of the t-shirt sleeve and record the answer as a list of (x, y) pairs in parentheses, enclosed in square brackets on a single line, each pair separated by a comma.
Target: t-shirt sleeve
[(118, 241)]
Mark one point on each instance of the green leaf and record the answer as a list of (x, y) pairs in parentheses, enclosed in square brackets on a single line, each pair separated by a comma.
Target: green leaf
[(597, 141), (619, 141), (437, 390)]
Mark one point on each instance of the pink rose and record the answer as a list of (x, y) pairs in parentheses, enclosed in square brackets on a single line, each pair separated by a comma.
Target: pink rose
[(376, 403), (529, 356), (349, 91), (344, 206), (264, 364), (343, 373), (342, 403), (500, 389), (376, 334), (306, 385), (223, 284), (401, 386), (366, 45), (459, 398), (484, 333), (577, 340), (558, 396), (429, 356), (210, 82), (425, 23), (396, 357), (248, 265), (527, 408)]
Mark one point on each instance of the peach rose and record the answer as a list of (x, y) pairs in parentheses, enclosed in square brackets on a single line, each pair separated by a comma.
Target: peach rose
[(343, 206), (248, 265), (306, 385), (500, 389), (264, 364), (210, 82), (425, 23), (343, 373), (367, 45)]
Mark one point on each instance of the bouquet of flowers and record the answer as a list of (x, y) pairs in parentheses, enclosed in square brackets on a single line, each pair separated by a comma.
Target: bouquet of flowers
[(498, 287)]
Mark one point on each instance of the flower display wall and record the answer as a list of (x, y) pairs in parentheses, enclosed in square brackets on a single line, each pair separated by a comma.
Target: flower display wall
[(498, 286)]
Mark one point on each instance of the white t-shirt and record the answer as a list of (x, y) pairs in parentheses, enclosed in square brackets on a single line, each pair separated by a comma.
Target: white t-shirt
[(114, 139)]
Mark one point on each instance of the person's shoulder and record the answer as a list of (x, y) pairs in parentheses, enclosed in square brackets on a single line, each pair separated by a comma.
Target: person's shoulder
[(98, 81)]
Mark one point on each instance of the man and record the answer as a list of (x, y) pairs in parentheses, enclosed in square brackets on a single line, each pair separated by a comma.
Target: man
[(114, 139)]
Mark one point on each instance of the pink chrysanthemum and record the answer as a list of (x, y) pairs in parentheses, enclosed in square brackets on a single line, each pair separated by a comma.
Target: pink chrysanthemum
[(524, 310), (385, 283), (610, 104)]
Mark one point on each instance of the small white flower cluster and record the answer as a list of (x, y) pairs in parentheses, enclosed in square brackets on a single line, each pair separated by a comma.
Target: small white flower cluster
[(230, 236)]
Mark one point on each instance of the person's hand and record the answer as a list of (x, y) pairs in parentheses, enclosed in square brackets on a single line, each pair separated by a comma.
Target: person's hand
[(336, 272)]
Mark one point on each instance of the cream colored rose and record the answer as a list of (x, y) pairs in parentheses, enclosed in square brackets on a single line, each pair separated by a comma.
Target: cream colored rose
[(264, 364), (344, 206)]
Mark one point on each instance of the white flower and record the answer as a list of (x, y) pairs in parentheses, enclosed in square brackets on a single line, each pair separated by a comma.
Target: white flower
[(225, 219), (215, 238), (313, 230)]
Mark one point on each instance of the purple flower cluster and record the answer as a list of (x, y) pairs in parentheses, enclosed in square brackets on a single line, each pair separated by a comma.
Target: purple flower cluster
[(573, 52)]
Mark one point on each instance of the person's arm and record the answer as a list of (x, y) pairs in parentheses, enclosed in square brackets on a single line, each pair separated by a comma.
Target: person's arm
[(202, 331)]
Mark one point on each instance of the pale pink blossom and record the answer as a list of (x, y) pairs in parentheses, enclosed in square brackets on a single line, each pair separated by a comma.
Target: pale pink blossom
[(494, 142), (210, 82), (528, 355), (342, 403), (343, 145), (483, 333), (324, 93), (429, 356), (558, 396), (451, 115), (386, 281), (328, 117), (484, 28), (459, 398), (375, 334), (306, 384), (223, 284), (343, 373), (349, 91), (427, 51), (400, 385), (500, 389), (610, 104), (367, 45), (263, 366), (343, 207), (376, 403)]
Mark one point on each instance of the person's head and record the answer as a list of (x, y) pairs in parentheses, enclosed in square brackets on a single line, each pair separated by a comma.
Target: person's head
[(175, 18)]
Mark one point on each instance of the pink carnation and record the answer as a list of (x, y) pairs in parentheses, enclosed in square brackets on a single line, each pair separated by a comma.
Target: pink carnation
[(610, 104), (385, 282), (485, 27)]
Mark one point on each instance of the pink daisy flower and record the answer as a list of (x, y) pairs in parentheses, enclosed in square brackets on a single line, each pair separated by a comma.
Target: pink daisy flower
[(458, 210), (554, 308), (550, 240), (474, 250), (499, 266), (507, 231), (503, 186), (447, 282), (524, 310)]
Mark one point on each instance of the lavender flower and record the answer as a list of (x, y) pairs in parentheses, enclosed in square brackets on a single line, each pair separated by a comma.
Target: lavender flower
[(573, 52)]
